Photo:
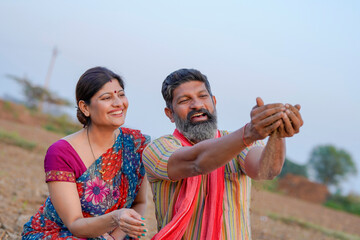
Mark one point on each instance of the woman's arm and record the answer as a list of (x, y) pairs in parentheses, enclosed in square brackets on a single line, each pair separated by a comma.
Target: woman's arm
[(65, 198), (139, 205)]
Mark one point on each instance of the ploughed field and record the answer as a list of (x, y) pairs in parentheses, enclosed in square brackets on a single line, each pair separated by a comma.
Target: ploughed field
[(273, 216)]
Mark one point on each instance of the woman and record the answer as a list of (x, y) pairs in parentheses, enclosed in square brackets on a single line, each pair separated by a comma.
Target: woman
[(94, 176)]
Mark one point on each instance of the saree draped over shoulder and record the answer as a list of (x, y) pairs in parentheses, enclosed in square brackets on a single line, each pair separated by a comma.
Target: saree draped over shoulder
[(111, 182)]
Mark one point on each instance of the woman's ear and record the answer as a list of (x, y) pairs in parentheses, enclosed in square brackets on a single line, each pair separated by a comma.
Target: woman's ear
[(84, 108)]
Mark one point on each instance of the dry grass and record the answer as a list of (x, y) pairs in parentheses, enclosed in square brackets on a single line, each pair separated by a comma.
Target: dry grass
[(273, 216)]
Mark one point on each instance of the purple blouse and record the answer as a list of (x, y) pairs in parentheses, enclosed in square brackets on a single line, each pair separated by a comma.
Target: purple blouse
[(62, 163)]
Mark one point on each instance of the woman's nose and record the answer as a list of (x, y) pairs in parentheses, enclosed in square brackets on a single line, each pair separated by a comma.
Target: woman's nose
[(117, 101)]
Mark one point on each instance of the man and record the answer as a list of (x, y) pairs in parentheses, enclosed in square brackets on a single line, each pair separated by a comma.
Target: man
[(200, 176)]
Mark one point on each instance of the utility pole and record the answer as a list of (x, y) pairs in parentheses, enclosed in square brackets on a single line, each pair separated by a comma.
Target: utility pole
[(48, 75)]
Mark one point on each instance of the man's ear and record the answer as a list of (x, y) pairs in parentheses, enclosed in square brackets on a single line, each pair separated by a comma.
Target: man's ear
[(84, 108), (214, 100), (169, 114)]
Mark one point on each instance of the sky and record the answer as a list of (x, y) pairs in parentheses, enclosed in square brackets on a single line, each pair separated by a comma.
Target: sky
[(298, 52)]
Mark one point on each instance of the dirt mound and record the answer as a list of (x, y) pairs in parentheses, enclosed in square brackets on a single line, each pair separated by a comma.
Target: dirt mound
[(302, 188), (19, 113)]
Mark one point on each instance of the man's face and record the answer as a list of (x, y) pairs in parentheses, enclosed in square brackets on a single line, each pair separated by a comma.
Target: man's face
[(194, 111)]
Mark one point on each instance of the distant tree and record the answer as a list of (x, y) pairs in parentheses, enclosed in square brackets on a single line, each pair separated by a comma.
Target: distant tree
[(294, 168), (331, 165), (35, 95)]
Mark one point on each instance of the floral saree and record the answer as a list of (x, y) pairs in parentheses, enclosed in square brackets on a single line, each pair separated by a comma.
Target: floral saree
[(111, 182)]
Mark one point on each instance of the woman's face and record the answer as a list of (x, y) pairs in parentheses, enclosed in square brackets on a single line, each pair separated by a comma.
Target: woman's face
[(109, 105)]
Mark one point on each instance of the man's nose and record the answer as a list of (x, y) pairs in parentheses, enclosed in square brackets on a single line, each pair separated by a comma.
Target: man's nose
[(196, 104)]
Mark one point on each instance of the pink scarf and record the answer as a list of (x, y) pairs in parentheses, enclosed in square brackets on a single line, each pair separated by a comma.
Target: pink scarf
[(185, 204)]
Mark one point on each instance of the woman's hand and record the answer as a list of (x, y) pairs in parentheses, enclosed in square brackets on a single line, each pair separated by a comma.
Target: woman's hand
[(130, 222), (107, 237)]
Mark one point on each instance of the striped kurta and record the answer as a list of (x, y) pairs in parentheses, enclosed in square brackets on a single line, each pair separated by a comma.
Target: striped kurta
[(236, 201)]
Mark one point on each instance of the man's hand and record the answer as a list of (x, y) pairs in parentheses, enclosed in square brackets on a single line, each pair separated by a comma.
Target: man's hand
[(276, 121), (265, 119), (290, 122)]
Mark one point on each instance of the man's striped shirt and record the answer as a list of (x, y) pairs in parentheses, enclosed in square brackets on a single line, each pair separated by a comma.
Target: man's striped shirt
[(236, 220)]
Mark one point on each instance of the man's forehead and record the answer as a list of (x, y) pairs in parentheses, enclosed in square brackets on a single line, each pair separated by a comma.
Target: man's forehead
[(190, 87)]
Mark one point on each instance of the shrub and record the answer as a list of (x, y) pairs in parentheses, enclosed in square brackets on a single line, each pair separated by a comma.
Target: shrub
[(61, 124), (14, 139), (267, 185), (350, 203)]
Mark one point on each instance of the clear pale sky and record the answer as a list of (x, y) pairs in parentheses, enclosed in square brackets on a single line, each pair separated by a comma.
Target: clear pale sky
[(305, 52)]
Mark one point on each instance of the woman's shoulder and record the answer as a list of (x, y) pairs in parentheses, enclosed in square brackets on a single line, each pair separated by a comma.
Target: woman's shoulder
[(127, 130), (139, 139), (59, 146), (60, 156), (134, 133)]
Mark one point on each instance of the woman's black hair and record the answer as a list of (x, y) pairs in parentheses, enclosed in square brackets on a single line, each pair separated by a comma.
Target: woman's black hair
[(89, 84)]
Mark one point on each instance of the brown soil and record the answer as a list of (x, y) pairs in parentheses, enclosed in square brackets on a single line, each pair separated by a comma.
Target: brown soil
[(23, 190), (300, 187)]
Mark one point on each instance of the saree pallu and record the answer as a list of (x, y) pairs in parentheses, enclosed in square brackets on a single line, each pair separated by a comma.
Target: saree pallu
[(111, 182)]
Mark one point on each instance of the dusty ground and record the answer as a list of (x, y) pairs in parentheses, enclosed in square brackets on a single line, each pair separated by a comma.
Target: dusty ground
[(22, 191)]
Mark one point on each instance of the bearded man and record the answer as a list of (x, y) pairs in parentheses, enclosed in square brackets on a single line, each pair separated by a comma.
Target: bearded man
[(200, 176)]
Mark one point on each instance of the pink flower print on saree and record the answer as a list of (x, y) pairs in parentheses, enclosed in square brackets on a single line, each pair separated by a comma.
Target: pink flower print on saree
[(116, 194), (96, 191)]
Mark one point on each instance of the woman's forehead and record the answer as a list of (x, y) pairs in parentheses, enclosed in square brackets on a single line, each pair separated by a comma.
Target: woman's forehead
[(110, 87)]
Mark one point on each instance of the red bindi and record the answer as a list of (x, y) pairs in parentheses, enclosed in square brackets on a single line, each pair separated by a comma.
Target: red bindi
[(115, 91)]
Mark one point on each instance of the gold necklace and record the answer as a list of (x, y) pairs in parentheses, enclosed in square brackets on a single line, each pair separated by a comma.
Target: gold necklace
[(87, 133)]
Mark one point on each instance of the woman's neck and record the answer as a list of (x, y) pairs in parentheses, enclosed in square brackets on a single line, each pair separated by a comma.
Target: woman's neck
[(102, 137)]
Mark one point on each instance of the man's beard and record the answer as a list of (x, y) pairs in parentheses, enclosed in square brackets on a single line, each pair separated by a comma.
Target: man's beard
[(197, 131)]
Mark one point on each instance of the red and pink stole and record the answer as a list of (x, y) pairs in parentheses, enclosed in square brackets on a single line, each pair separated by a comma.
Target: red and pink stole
[(187, 198)]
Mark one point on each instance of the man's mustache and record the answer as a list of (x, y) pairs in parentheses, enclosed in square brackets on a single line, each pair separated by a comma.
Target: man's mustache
[(202, 110)]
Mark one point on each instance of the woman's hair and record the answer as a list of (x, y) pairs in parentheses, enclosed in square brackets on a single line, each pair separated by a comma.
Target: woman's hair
[(89, 84), (175, 79)]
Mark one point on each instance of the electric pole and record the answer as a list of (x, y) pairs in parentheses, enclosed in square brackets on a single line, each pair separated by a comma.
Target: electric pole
[(48, 75)]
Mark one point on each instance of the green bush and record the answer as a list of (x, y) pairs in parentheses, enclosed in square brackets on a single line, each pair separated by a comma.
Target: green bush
[(14, 139), (293, 168), (267, 185), (8, 108), (350, 203), (62, 124)]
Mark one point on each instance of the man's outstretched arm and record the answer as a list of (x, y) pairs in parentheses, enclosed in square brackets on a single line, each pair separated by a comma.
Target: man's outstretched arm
[(266, 163), (208, 155)]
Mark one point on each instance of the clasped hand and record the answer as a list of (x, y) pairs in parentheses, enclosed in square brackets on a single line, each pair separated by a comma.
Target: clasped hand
[(130, 222), (283, 119)]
